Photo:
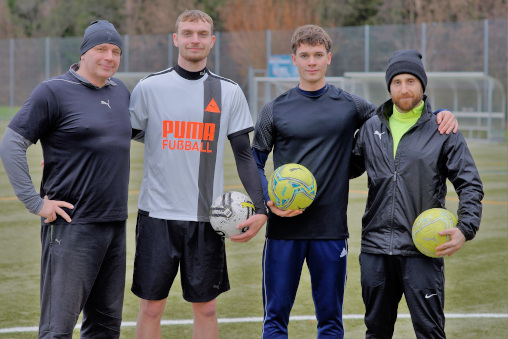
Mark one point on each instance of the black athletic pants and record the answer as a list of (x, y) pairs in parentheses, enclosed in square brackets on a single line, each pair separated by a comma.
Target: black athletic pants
[(385, 278), (82, 269)]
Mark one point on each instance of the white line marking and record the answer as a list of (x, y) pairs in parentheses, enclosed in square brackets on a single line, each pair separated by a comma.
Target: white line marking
[(260, 319), (19, 329)]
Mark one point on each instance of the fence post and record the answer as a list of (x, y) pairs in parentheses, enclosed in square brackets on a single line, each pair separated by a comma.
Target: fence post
[(217, 53), (170, 50), (11, 78), (486, 47), (125, 52), (268, 46), (268, 55), (251, 89), (424, 44), (47, 44), (489, 88), (366, 47)]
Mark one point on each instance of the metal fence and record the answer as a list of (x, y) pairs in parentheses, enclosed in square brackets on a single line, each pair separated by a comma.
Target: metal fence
[(473, 46)]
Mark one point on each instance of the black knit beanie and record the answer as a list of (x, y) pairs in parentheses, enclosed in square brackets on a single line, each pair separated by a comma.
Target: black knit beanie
[(406, 61), (100, 32)]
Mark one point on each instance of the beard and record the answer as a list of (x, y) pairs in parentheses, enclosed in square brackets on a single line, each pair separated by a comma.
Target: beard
[(404, 106)]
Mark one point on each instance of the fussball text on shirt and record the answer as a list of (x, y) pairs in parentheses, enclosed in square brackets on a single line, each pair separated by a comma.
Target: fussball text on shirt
[(187, 135)]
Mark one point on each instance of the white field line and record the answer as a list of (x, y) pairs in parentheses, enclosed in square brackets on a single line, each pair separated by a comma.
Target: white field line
[(260, 319)]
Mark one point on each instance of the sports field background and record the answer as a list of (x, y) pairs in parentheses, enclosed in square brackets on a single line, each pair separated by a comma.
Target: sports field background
[(476, 276)]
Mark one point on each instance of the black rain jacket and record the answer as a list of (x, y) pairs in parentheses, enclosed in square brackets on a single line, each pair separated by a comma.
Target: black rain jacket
[(401, 188)]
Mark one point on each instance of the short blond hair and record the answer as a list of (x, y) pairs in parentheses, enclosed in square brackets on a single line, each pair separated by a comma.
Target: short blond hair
[(193, 15), (311, 35)]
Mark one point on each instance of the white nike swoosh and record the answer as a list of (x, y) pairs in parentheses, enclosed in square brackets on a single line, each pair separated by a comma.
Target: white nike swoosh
[(427, 296)]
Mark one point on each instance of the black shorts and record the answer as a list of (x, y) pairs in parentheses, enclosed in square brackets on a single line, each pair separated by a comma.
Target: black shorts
[(162, 246)]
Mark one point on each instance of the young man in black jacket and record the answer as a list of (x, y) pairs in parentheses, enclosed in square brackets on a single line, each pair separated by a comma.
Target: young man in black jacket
[(407, 162)]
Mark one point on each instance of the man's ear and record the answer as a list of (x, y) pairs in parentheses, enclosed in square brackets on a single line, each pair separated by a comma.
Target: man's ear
[(175, 39)]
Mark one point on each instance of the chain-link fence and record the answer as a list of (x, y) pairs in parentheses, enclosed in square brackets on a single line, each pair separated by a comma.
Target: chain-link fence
[(474, 46)]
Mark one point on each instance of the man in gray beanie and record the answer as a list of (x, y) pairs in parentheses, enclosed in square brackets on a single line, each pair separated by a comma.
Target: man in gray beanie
[(82, 121), (408, 163)]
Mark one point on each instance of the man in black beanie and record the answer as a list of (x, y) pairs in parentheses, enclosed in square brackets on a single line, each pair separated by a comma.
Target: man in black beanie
[(408, 163), (406, 61), (99, 32), (82, 121), (100, 39)]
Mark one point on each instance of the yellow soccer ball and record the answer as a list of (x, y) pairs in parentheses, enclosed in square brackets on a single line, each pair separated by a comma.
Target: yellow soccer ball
[(426, 230), (292, 187)]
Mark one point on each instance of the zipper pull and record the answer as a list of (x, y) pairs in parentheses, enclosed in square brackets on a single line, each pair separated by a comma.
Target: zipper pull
[(395, 176)]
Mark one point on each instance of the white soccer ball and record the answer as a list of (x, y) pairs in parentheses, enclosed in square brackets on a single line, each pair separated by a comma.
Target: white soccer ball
[(229, 210)]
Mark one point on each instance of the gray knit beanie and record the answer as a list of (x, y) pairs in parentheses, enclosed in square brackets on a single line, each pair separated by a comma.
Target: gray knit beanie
[(100, 32), (406, 61)]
